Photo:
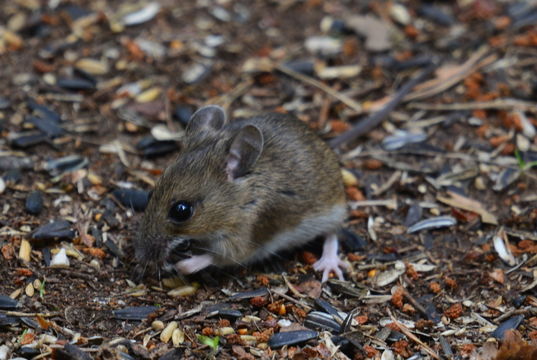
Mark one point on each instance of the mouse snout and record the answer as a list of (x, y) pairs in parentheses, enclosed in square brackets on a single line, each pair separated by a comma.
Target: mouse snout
[(179, 245), (178, 249)]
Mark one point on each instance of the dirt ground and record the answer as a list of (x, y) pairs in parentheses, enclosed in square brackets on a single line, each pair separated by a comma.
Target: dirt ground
[(430, 105)]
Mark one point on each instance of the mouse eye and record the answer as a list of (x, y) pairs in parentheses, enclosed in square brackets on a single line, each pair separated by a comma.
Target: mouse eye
[(180, 211)]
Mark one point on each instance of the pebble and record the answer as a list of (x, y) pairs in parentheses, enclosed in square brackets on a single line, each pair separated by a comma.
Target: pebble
[(291, 338), (132, 198), (60, 259), (34, 202), (2, 185)]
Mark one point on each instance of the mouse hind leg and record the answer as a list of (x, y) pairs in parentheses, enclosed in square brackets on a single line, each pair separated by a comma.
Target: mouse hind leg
[(329, 261)]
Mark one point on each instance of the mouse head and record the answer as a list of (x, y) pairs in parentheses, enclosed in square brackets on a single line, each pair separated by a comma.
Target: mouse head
[(198, 203)]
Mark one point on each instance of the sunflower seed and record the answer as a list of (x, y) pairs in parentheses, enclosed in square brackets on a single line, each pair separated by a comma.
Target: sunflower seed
[(132, 198), (59, 229), (511, 323), (432, 223), (7, 303), (34, 202), (134, 312), (147, 13), (291, 338), (65, 164)]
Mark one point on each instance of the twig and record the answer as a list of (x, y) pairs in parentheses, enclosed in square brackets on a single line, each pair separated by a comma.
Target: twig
[(373, 120), (23, 314), (415, 303), (439, 84), (500, 104), (295, 301), (413, 337), (389, 203), (388, 184), (327, 89), (227, 99)]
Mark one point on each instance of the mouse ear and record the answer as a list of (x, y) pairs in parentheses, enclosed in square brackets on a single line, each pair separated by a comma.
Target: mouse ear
[(244, 152), (210, 117)]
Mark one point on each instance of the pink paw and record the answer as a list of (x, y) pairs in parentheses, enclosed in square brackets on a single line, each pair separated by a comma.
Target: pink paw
[(329, 264), (194, 264)]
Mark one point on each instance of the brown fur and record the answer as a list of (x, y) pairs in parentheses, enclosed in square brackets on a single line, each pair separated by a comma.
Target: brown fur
[(296, 177)]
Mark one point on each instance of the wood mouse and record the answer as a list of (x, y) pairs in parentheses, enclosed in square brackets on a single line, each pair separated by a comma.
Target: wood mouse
[(243, 190)]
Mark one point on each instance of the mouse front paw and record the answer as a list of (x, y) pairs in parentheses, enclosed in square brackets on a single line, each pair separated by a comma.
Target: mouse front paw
[(328, 264), (194, 264)]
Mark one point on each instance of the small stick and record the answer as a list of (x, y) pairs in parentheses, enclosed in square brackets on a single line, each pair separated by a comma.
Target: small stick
[(415, 303), (23, 314), (413, 337), (295, 301), (501, 104), (327, 89), (227, 99), (373, 120)]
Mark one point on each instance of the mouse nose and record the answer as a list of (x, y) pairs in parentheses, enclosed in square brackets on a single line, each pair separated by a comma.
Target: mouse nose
[(179, 250)]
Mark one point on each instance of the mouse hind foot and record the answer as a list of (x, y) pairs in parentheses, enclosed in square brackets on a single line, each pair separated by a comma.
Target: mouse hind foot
[(329, 261)]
